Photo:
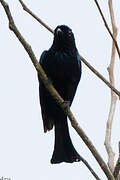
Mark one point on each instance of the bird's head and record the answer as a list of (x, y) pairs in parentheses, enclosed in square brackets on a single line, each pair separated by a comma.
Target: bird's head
[(63, 37)]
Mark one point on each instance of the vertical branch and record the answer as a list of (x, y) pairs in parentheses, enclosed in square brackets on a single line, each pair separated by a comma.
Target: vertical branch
[(113, 95)]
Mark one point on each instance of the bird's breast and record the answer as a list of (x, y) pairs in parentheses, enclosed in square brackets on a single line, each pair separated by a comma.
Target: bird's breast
[(59, 65), (63, 64)]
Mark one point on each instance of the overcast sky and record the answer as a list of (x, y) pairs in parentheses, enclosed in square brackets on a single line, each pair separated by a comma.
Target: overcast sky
[(25, 151)]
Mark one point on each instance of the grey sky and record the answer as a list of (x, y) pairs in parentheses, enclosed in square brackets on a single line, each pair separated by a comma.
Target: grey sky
[(25, 150)]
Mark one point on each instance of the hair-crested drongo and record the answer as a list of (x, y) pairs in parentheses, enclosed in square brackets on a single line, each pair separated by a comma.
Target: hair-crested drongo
[(62, 65)]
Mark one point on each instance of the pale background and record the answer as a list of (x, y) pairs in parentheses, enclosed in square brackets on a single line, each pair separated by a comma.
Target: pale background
[(25, 151)]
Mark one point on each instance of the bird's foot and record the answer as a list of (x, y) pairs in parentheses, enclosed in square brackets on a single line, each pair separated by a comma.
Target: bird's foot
[(66, 103)]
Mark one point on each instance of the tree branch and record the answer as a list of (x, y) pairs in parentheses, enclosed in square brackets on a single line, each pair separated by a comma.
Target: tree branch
[(90, 169), (33, 15), (54, 93), (117, 167), (113, 95), (100, 76), (107, 27), (82, 59)]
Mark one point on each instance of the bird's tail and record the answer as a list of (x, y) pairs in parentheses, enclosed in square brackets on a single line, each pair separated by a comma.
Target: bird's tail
[(64, 150)]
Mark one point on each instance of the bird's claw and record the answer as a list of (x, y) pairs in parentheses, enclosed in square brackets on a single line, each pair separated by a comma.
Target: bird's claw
[(66, 103)]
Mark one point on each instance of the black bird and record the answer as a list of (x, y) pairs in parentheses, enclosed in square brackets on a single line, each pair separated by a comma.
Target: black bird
[(62, 65)]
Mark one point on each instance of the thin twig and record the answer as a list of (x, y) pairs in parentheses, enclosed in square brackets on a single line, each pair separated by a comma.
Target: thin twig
[(117, 167), (82, 59), (90, 169), (55, 95), (36, 17), (107, 27), (100, 76), (113, 95)]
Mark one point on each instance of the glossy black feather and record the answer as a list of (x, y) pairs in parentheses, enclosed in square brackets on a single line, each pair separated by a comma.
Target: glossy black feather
[(63, 67)]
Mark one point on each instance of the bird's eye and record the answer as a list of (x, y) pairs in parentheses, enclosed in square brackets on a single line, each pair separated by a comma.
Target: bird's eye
[(69, 33)]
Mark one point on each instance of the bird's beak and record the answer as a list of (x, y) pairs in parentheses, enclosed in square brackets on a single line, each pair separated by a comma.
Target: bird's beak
[(59, 32)]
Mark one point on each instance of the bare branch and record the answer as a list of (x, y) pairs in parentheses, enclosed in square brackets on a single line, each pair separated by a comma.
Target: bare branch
[(107, 27), (100, 76), (82, 59), (32, 14), (90, 169), (113, 95), (117, 167), (55, 95)]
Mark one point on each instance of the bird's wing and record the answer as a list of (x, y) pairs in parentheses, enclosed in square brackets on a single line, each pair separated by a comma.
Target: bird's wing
[(43, 55), (75, 78), (44, 95)]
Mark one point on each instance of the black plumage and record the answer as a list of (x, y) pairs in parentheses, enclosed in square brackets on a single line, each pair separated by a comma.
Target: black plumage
[(63, 67)]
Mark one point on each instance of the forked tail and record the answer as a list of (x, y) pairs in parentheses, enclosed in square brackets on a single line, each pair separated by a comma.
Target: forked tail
[(64, 150)]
